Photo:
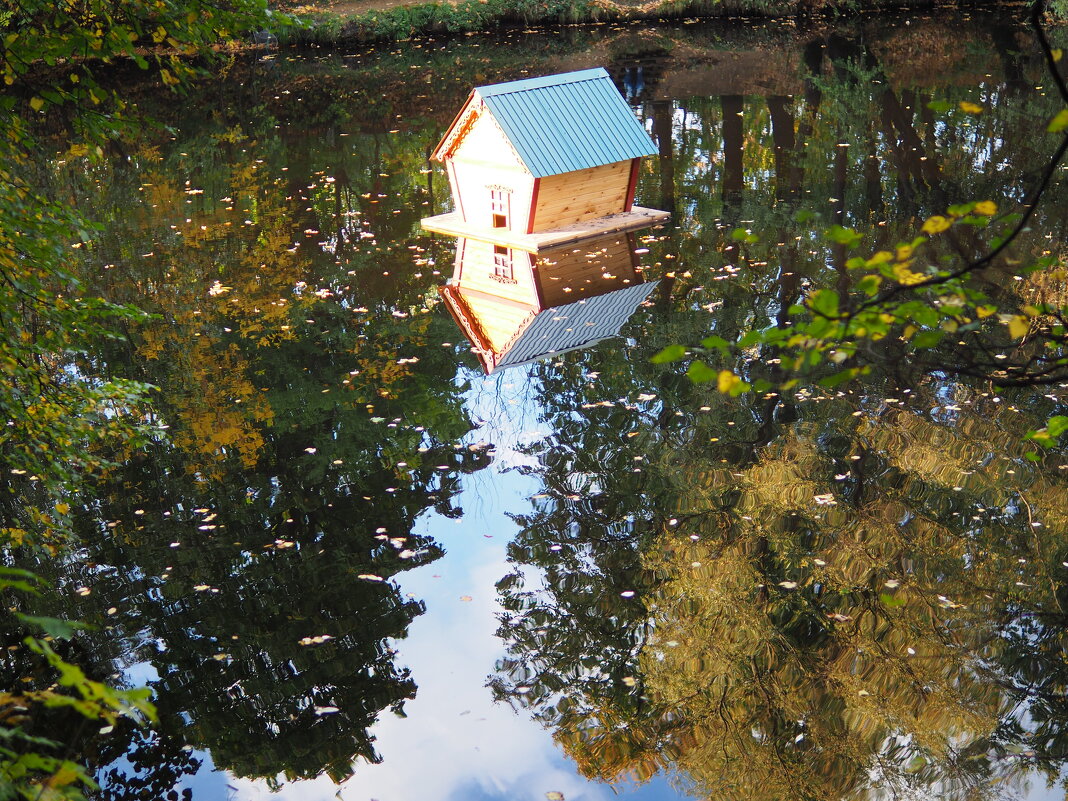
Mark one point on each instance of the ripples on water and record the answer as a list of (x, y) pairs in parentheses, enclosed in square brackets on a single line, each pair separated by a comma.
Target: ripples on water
[(812, 594)]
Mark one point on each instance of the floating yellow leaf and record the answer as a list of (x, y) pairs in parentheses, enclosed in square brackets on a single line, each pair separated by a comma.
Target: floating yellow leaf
[(36, 103), (970, 108), (987, 207)]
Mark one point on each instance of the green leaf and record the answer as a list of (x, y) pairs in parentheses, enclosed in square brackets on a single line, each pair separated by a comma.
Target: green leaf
[(843, 236), (53, 626), (928, 338), (940, 106), (701, 373), (832, 381), (672, 353), (1056, 426), (825, 302), (892, 601), (16, 579), (751, 337), (717, 342), (869, 284)]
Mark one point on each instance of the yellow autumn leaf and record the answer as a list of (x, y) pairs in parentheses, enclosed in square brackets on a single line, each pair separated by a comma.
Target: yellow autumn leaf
[(984, 311), (987, 207), (936, 225), (1059, 122), (66, 775), (727, 381), (36, 103), (14, 536), (970, 108), (903, 275), (1019, 326), (62, 508)]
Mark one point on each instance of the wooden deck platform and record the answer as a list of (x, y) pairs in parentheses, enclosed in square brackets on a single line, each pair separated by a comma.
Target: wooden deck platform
[(638, 217)]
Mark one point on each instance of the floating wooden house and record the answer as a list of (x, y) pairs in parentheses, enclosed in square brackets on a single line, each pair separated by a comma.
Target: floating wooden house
[(542, 162), (515, 306)]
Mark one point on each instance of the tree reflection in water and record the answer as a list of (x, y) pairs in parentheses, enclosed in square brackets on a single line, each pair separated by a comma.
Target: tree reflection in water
[(869, 600), (812, 595), (808, 595)]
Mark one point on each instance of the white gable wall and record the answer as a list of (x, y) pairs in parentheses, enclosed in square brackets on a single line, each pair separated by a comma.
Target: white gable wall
[(484, 162)]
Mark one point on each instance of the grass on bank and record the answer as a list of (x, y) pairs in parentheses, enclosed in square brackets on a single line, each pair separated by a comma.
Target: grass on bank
[(324, 27)]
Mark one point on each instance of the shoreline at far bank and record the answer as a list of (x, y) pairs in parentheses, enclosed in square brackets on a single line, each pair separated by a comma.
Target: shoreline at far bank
[(337, 22)]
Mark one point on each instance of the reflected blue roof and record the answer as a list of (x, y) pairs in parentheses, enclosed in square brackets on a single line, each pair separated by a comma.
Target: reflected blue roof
[(559, 329), (566, 122)]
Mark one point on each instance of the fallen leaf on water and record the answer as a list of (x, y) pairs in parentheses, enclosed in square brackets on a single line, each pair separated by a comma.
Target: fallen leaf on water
[(465, 598)]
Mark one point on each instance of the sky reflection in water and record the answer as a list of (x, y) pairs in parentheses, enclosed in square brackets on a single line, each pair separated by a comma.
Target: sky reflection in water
[(630, 510)]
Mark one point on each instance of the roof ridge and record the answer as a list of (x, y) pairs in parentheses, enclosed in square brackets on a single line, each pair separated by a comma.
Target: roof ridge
[(541, 82)]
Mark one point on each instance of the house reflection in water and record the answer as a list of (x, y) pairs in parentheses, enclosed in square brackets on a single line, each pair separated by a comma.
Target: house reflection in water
[(516, 306)]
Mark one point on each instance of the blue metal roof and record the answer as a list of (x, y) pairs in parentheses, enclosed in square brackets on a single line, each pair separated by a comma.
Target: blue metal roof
[(566, 122)]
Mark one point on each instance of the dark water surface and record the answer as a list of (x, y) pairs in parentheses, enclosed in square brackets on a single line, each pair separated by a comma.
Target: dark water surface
[(358, 567)]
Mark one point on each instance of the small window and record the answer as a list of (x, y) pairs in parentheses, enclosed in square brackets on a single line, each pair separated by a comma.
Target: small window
[(502, 262), (500, 200)]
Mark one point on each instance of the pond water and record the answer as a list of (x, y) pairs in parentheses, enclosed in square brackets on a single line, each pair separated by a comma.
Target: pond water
[(356, 566)]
